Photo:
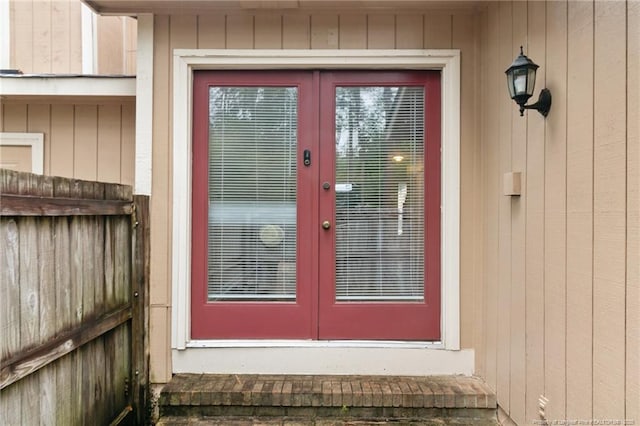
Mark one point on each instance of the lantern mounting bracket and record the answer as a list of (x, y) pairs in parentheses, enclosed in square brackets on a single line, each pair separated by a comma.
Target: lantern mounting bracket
[(542, 106)]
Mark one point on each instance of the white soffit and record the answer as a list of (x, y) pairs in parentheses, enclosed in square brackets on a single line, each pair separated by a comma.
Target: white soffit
[(26, 85)]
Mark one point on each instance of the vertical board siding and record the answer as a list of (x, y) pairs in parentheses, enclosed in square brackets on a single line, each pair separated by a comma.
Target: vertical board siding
[(609, 216), (410, 34), (491, 78), (632, 406), (81, 140), (46, 37), (555, 211), (437, 31), (42, 37), (381, 33), (296, 32), (239, 32), (517, 361), (61, 32), (576, 247), (505, 54), (324, 32), (110, 45), (579, 210), (352, 30), (21, 33), (464, 32), (268, 32), (212, 31)]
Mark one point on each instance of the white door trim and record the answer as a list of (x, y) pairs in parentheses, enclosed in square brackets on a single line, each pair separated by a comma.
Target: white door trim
[(185, 61)]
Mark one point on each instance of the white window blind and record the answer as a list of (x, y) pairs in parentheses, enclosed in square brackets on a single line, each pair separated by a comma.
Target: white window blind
[(379, 193), (252, 193)]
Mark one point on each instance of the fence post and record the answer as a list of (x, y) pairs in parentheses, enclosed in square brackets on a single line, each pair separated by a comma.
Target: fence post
[(140, 304)]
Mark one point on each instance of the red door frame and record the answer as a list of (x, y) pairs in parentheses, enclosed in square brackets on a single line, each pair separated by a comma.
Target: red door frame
[(387, 320), (315, 314), (274, 320)]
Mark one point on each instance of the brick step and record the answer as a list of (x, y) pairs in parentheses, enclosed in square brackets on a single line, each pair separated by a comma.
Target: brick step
[(303, 421), (323, 400)]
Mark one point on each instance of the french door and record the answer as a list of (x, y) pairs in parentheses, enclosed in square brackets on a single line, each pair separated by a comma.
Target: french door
[(316, 205)]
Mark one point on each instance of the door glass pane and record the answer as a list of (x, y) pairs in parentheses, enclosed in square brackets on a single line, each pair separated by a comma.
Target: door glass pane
[(379, 193), (252, 193)]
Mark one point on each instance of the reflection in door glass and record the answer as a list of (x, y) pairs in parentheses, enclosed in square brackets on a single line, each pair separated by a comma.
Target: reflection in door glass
[(379, 193), (252, 193)]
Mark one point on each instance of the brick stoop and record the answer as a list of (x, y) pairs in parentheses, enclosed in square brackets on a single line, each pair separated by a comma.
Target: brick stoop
[(199, 399)]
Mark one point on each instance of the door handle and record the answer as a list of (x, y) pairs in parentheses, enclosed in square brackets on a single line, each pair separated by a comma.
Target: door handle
[(326, 224)]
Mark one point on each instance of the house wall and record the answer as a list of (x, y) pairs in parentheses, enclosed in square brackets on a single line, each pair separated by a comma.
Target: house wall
[(274, 30), (91, 139), (561, 262), (46, 37)]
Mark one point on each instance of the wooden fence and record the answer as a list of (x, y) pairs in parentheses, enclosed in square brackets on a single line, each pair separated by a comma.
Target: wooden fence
[(73, 280)]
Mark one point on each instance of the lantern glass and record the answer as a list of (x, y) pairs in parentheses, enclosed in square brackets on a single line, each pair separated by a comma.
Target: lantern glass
[(520, 82), (510, 85), (531, 81)]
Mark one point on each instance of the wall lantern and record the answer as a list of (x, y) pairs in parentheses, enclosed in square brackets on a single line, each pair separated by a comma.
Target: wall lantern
[(521, 79)]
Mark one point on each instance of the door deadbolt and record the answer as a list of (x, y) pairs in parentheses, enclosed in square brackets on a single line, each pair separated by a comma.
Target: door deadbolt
[(326, 224)]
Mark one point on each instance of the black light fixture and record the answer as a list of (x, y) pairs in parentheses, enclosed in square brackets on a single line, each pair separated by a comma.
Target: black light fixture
[(521, 79)]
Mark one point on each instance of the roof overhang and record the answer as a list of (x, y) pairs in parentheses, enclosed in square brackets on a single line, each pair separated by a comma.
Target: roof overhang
[(72, 85), (134, 7)]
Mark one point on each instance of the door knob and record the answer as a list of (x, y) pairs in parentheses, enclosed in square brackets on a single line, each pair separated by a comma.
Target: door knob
[(326, 224)]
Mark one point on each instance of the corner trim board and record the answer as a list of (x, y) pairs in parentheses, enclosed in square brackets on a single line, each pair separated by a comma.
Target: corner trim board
[(144, 106)]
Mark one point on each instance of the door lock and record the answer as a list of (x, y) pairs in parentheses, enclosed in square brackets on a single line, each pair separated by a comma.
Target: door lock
[(326, 224)]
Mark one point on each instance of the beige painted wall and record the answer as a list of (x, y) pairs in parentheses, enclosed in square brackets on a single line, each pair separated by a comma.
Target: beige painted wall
[(561, 262), (361, 30), (91, 139), (18, 158), (46, 37)]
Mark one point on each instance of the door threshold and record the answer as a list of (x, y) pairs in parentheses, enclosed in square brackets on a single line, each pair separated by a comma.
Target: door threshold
[(347, 358), (301, 343)]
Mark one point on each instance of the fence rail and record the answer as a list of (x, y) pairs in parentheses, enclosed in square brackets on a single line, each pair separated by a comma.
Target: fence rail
[(73, 271)]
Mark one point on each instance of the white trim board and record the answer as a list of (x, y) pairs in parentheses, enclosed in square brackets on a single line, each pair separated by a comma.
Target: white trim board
[(185, 61), (144, 105), (5, 35), (324, 360), (67, 86), (89, 39), (34, 140)]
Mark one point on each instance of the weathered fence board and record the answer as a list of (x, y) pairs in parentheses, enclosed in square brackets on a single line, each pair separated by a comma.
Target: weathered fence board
[(74, 271), (28, 205)]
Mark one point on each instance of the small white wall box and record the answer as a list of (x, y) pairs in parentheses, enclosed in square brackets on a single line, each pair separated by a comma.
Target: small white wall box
[(511, 183)]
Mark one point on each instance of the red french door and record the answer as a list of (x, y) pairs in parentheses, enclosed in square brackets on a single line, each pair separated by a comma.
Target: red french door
[(316, 205)]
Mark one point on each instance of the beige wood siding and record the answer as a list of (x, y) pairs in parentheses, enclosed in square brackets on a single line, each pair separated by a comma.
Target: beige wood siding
[(84, 139), (16, 158), (414, 29), (46, 37), (116, 45), (561, 261)]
